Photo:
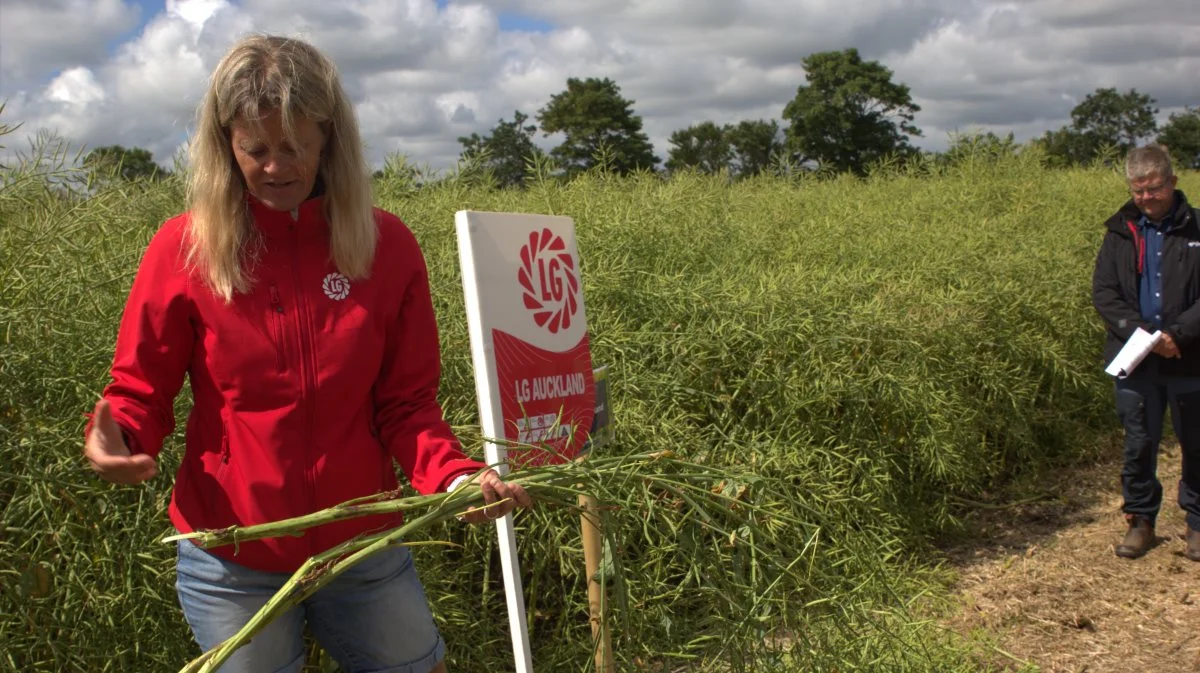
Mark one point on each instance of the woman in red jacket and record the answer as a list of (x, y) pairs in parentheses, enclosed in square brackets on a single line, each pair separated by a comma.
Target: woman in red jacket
[(302, 318)]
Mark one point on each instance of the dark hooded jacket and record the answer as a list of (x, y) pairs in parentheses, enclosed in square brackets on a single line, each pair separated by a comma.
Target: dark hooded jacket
[(1117, 278)]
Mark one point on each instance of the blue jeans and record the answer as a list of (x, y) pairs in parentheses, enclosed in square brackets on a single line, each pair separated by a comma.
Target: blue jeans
[(372, 618), (1142, 402)]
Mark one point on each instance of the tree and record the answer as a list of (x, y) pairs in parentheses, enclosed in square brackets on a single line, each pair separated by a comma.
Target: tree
[(1181, 135), (755, 145), (1107, 118), (128, 164), (1066, 147), (703, 147), (850, 113), (1104, 127), (595, 117), (980, 146), (506, 151)]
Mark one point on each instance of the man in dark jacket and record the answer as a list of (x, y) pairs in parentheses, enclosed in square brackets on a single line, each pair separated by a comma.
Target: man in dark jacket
[(1148, 275)]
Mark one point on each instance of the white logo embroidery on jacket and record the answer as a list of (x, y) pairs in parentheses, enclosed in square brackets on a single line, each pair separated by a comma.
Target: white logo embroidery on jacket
[(336, 286)]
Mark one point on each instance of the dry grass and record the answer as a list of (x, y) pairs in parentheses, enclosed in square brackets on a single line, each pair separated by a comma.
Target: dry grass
[(1042, 582)]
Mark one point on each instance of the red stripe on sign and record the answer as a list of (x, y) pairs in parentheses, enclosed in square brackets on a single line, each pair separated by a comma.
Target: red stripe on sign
[(547, 398)]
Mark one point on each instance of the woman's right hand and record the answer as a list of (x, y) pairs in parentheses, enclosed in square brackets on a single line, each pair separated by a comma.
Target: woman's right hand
[(109, 457)]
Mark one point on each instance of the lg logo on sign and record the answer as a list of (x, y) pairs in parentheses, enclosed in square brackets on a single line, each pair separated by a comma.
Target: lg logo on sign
[(547, 277)]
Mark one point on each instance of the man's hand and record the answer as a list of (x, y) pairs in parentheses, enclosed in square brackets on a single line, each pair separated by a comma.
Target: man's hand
[(1166, 346), (506, 497), (109, 457)]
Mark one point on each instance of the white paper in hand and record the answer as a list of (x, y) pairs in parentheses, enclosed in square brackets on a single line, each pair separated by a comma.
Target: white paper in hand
[(1132, 354)]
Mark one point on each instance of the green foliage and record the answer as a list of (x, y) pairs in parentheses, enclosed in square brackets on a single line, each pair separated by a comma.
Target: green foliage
[(79, 561), (596, 120), (756, 144), (6, 129), (876, 346), (126, 164), (702, 147), (400, 175), (1181, 135), (850, 114), (1104, 127), (1108, 118), (506, 152), (980, 146), (1066, 147), (746, 149)]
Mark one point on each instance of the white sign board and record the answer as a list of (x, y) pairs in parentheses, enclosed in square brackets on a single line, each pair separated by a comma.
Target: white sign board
[(529, 345)]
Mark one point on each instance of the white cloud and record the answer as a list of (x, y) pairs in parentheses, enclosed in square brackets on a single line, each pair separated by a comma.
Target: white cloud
[(195, 12), (421, 76), (76, 87), (1022, 66)]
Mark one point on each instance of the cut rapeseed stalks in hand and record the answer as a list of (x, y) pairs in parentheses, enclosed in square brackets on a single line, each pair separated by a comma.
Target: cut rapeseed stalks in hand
[(617, 481)]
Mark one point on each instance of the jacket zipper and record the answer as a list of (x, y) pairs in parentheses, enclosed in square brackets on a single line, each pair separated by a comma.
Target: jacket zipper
[(308, 375), (224, 446), (1139, 245), (277, 323)]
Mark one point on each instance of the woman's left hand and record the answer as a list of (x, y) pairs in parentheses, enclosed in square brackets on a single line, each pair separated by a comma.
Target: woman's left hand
[(499, 497)]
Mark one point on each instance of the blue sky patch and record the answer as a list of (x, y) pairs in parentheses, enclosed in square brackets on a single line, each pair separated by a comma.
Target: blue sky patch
[(147, 10), (509, 21), (150, 9), (513, 21), (519, 22)]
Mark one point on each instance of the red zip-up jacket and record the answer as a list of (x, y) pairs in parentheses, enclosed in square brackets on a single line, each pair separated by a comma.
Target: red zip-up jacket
[(305, 388)]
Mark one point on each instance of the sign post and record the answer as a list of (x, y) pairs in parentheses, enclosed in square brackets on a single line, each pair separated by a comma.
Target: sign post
[(593, 549), (529, 346)]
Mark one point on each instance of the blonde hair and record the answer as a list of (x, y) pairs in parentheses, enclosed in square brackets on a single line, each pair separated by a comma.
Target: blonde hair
[(258, 74), (1148, 161)]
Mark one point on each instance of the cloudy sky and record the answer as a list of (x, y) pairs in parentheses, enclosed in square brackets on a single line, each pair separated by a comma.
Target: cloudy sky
[(424, 72)]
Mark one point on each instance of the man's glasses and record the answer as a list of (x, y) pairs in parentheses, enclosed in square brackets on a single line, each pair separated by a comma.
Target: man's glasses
[(1147, 191)]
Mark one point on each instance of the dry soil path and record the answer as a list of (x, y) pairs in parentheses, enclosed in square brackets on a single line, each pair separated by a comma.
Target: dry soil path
[(1042, 582)]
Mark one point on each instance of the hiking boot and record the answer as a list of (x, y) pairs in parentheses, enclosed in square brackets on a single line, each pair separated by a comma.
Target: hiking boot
[(1193, 544), (1140, 538)]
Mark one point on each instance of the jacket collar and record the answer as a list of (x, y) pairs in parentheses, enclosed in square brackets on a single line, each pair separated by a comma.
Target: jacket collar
[(1184, 217), (306, 221)]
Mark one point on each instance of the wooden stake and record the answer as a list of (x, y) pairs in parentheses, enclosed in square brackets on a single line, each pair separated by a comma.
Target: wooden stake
[(592, 553)]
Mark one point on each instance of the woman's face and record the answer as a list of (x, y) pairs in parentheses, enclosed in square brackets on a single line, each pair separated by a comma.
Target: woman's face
[(276, 173)]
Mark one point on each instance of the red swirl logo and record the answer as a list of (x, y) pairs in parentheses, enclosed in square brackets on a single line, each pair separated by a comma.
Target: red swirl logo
[(547, 276)]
